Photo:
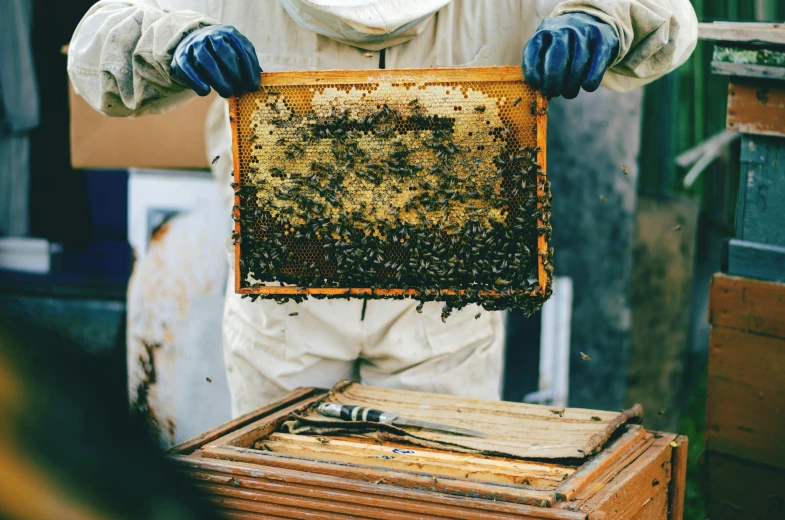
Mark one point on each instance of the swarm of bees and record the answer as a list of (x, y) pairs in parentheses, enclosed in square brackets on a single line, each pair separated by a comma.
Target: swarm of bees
[(459, 239)]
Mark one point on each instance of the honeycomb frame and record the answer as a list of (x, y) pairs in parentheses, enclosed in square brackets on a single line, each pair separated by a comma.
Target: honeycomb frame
[(451, 78)]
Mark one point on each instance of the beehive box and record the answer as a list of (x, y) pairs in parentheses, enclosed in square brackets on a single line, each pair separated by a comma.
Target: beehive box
[(570, 463), (745, 454), (427, 183)]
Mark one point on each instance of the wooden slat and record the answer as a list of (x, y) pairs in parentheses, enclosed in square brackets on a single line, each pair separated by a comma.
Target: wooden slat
[(514, 429), (295, 510), (678, 484), (316, 484), (747, 70), (461, 487), (328, 506), (753, 260), (340, 496), (749, 305), (756, 106), (323, 77), (736, 489), (746, 396), (266, 425), (189, 445), (245, 515), (628, 446), (635, 486), (413, 458), (740, 32)]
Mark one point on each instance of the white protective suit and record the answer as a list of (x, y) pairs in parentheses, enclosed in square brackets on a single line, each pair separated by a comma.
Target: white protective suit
[(119, 62)]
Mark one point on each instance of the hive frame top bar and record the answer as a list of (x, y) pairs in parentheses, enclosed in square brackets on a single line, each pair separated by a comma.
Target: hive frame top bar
[(361, 76), (320, 77)]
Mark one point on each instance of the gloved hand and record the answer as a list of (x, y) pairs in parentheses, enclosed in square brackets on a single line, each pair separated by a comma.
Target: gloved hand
[(219, 57), (569, 52)]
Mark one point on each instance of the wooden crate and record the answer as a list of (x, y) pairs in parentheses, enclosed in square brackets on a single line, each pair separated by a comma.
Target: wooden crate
[(746, 399), (250, 470)]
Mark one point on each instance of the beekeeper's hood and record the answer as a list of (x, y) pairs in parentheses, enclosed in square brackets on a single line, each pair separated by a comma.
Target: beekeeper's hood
[(369, 24)]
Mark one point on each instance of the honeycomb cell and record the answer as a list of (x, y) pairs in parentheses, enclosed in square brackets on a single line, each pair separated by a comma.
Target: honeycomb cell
[(388, 187)]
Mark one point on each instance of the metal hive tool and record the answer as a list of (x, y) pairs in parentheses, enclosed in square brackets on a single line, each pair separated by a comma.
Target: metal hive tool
[(427, 183)]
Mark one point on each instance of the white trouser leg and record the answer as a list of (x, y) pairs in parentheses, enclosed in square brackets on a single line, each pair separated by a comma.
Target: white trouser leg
[(412, 351)]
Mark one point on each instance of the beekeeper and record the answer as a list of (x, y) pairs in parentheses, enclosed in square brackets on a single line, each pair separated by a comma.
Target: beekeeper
[(130, 58)]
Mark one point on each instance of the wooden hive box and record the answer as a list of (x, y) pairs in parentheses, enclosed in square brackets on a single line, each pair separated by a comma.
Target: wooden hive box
[(570, 463), (745, 453)]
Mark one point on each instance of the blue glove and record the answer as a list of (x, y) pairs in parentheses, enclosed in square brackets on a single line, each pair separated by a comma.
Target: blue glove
[(219, 57), (569, 52)]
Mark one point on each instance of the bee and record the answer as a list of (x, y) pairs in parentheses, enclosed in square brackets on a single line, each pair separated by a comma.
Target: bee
[(662, 412), (677, 227), (480, 108), (209, 380), (585, 357), (602, 198), (515, 103), (674, 444), (215, 159), (368, 54), (294, 314), (557, 411), (273, 93), (252, 138), (655, 482), (625, 170), (477, 317), (595, 418), (323, 440)]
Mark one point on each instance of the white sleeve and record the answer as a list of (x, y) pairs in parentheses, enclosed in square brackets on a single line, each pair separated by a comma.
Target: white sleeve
[(121, 52), (655, 36)]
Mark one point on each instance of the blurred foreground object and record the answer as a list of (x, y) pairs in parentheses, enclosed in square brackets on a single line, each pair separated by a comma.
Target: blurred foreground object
[(745, 455), (68, 449)]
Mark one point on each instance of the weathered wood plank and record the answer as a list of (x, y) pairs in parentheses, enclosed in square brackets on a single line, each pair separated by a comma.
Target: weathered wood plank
[(748, 305), (753, 260), (678, 484), (322, 484), (756, 106), (635, 486), (737, 489), (393, 477), (745, 414), (438, 463), (741, 32), (219, 431), (747, 70)]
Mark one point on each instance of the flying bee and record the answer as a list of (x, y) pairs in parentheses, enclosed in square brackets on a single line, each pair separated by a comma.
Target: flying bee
[(585, 357)]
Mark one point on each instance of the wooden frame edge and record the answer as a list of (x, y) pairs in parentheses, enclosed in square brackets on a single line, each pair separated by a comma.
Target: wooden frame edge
[(233, 109), (501, 73)]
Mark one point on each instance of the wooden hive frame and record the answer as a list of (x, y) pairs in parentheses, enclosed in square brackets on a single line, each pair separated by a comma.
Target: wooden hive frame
[(319, 78)]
